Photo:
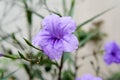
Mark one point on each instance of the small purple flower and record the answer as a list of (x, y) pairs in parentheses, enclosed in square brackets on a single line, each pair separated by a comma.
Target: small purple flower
[(112, 53), (88, 77), (56, 36), (1, 54)]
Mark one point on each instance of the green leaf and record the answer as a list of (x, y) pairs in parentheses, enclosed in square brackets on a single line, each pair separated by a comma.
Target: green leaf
[(7, 36), (21, 55), (29, 43), (68, 75), (38, 73), (64, 6), (67, 56), (114, 76), (29, 16), (28, 70), (71, 11), (28, 13), (17, 41), (81, 34), (48, 62), (94, 17), (57, 13), (11, 56), (88, 37), (9, 75), (1, 76), (39, 15)]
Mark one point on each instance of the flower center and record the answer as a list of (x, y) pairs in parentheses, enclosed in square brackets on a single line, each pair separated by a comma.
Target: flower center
[(113, 54), (57, 37)]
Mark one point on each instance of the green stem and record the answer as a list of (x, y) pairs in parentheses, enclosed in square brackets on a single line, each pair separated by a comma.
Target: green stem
[(60, 68)]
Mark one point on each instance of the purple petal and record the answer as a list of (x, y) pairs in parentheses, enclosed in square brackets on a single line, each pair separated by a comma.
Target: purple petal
[(51, 23), (97, 78), (1, 54), (107, 58), (111, 46), (88, 77), (67, 24), (40, 38), (112, 53), (77, 79), (53, 51), (70, 43)]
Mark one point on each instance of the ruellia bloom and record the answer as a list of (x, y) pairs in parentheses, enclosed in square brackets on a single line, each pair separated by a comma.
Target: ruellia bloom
[(88, 77), (112, 53), (56, 36), (1, 54)]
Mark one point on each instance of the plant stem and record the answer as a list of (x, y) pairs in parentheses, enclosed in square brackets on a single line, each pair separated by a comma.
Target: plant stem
[(75, 63), (60, 68)]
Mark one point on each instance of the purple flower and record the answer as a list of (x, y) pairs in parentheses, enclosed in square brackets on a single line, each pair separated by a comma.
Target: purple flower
[(56, 36), (1, 55), (112, 53), (88, 77)]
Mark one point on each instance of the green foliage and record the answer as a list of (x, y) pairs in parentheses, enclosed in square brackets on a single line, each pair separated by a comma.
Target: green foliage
[(67, 56), (114, 76), (29, 43), (64, 7), (7, 76), (71, 11), (68, 75)]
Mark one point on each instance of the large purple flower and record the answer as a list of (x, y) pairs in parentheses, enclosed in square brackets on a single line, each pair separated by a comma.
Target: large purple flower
[(112, 53), (56, 36), (88, 77)]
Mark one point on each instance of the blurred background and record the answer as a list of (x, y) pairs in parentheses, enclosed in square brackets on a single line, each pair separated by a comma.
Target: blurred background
[(13, 20)]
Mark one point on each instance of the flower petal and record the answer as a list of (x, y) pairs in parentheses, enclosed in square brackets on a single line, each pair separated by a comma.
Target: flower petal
[(53, 51), (97, 78), (107, 58), (41, 38), (51, 23), (67, 24), (112, 53), (70, 43)]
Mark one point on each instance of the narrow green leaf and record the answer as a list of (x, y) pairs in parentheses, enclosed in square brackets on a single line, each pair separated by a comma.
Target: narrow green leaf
[(68, 57), (27, 69), (1, 76), (11, 56), (64, 6), (57, 13), (39, 15), (29, 16), (38, 73), (68, 75), (17, 41), (49, 62), (88, 37), (71, 11), (28, 13), (29, 43), (21, 55), (94, 17), (2, 38), (9, 75)]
